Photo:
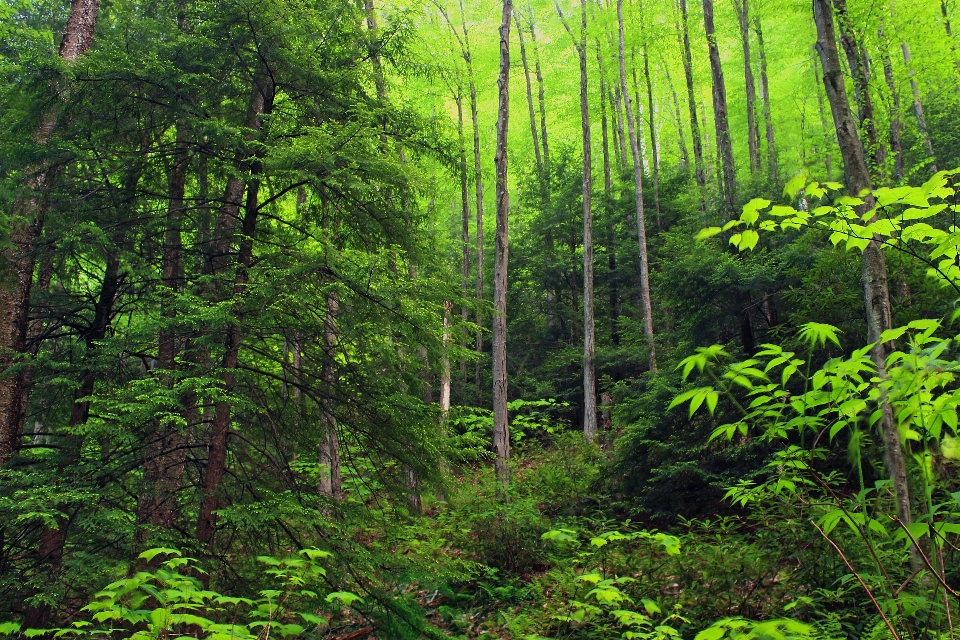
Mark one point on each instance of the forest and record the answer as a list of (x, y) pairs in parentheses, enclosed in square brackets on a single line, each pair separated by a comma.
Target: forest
[(515, 319)]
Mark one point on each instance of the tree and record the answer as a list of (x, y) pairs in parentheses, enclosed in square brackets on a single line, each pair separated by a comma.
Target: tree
[(638, 198), (724, 145), (501, 426), (876, 292)]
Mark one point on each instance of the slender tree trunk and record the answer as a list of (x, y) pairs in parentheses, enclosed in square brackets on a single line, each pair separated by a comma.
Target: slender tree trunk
[(501, 425), (654, 145), (856, 59), (331, 485), (589, 329), (261, 103), (638, 197), (542, 100), (165, 454), (827, 137), (772, 164), (700, 174), (465, 223), (620, 140), (611, 239), (753, 131), (681, 138), (530, 108), (18, 258), (874, 272), (918, 108), (478, 184), (895, 143), (724, 145)]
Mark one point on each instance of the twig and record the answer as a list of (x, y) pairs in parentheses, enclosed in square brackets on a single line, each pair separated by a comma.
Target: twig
[(860, 579), (923, 556)]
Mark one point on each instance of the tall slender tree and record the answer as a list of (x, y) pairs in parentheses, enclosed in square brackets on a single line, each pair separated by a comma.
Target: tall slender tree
[(699, 171), (501, 425), (753, 131), (874, 271), (772, 163), (18, 255), (645, 301), (589, 331), (722, 125)]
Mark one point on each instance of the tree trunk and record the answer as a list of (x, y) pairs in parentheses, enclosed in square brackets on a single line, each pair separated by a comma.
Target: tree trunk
[(772, 164), (638, 197), (501, 426), (856, 59), (165, 454), (330, 485), (827, 138), (724, 145), (918, 108), (465, 222), (18, 259), (654, 145), (621, 128), (261, 103), (875, 289), (589, 329), (611, 239), (753, 131), (700, 174), (895, 143), (542, 100), (681, 139)]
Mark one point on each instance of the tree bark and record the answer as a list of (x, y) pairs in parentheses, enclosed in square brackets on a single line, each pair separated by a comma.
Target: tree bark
[(165, 453), (501, 426), (772, 163), (699, 173), (331, 485), (589, 328), (874, 273), (638, 197), (530, 108), (724, 145), (681, 138), (918, 109), (611, 239), (261, 103), (464, 221), (895, 143), (827, 138), (654, 144), (542, 99), (19, 258), (753, 131), (856, 59)]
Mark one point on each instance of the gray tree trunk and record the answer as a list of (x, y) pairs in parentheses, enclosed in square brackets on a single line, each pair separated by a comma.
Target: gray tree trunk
[(772, 164), (638, 196), (918, 109), (700, 173), (501, 424), (874, 272)]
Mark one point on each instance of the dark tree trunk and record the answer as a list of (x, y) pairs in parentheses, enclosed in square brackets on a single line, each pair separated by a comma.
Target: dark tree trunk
[(724, 145), (165, 453), (700, 174), (261, 103), (18, 258), (856, 59), (654, 145)]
